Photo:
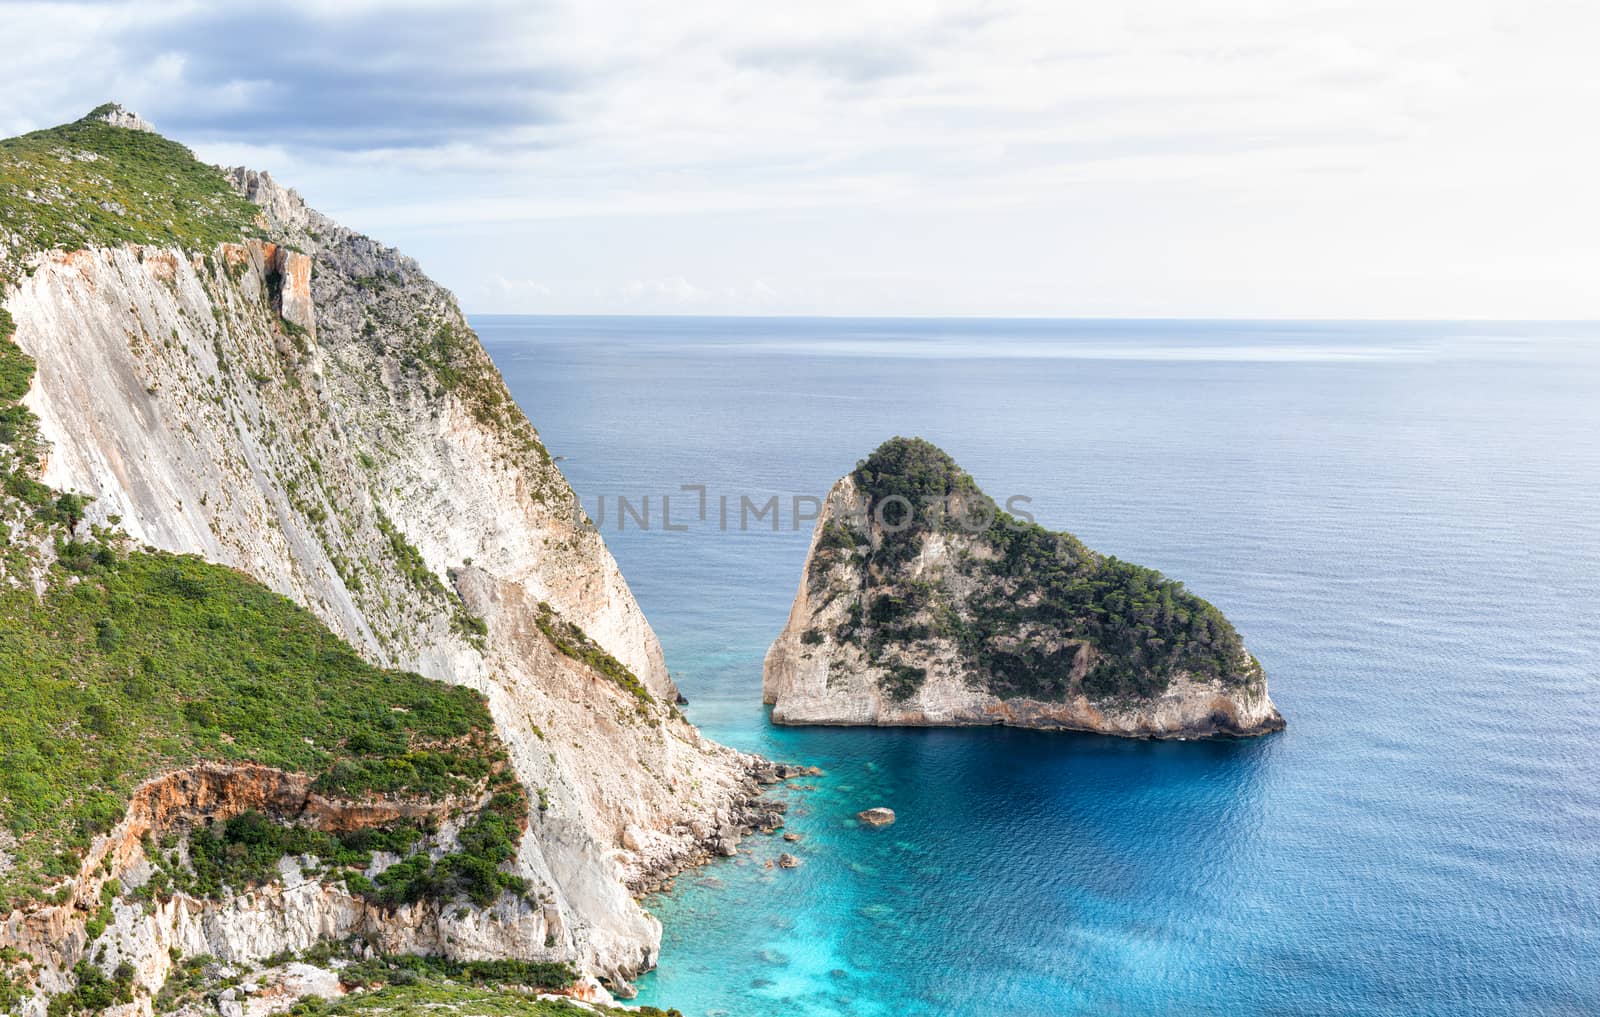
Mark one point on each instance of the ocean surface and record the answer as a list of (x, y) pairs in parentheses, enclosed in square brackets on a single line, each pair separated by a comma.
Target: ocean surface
[(1402, 519)]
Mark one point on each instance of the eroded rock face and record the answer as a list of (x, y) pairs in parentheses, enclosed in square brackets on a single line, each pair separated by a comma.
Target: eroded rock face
[(314, 411), (903, 634), (291, 914), (291, 272), (116, 116)]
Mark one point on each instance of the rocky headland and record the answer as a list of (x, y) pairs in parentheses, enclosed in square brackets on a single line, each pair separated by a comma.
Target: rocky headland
[(305, 639)]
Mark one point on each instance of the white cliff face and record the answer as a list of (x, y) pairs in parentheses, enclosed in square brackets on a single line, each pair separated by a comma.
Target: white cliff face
[(813, 676), (316, 413), (116, 116)]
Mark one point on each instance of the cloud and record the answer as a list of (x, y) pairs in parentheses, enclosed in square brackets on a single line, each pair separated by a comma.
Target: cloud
[(854, 60), (821, 138), (346, 78), (503, 287)]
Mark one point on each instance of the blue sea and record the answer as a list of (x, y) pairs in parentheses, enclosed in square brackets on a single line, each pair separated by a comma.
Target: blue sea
[(1402, 519)]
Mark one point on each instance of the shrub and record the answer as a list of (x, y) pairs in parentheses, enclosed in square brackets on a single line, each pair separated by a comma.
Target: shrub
[(573, 642)]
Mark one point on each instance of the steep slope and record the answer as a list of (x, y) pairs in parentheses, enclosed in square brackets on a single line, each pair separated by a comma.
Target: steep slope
[(220, 371), (923, 603)]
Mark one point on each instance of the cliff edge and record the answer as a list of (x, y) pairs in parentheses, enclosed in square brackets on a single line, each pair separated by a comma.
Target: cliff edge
[(923, 603), (194, 363)]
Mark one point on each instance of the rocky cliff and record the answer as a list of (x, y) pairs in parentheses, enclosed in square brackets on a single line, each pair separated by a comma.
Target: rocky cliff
[(923, 603), (219, 370)]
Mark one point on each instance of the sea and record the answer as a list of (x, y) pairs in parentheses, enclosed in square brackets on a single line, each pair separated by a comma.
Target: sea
[(1401, 518)]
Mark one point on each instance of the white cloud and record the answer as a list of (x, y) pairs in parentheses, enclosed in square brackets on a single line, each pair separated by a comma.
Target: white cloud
[(1366, 158)]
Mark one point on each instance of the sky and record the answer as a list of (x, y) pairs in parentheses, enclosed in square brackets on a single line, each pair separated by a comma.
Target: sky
[(1148, 159)]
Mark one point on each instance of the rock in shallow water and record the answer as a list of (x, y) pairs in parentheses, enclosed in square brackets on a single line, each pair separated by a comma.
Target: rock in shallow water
[(876, 817)]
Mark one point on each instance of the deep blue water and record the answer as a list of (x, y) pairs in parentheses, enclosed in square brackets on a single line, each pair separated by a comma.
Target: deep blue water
[(1402, 519)]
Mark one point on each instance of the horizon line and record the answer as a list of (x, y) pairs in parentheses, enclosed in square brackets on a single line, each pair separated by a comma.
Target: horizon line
[(1033, 317)]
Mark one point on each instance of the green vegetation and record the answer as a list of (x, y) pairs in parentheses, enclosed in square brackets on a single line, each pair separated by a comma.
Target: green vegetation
[(1044, 586), (451, 354), (489, 842), (244, 852), (436, 347), (835, 544), (902, 681), (16, 367), (409, 561), (396, 983), (434, 998), (187, 982), (133, 663), (94, 991), (918, 472), (88, 183), (12, 993), (411, 969), (575, 643), (19, 432)]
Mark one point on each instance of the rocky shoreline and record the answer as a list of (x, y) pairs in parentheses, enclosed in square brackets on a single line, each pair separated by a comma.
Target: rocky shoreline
[(720, 835)]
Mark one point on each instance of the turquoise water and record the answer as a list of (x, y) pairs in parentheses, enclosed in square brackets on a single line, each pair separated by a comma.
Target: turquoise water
[(1402, 519)]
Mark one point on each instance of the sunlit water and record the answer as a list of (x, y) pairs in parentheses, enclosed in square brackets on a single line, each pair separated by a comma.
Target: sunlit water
[(1402, 520)]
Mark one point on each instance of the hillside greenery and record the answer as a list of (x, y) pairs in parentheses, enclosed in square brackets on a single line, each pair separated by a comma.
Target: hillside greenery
[(473, 871), (1037, 593), (89, 183), (418, 985), (132, 663), (573, 642), (433, 997), (21, 495)]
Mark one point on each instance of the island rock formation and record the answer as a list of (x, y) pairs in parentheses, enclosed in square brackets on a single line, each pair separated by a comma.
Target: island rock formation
[(923, 603)]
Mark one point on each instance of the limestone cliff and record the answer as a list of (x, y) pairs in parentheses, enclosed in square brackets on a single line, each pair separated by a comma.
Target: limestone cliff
[(922, 603), (300, 402)]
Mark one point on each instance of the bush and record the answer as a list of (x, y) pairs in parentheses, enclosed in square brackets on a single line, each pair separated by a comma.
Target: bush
[(93, 991), (473, 870), (573, 642)]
